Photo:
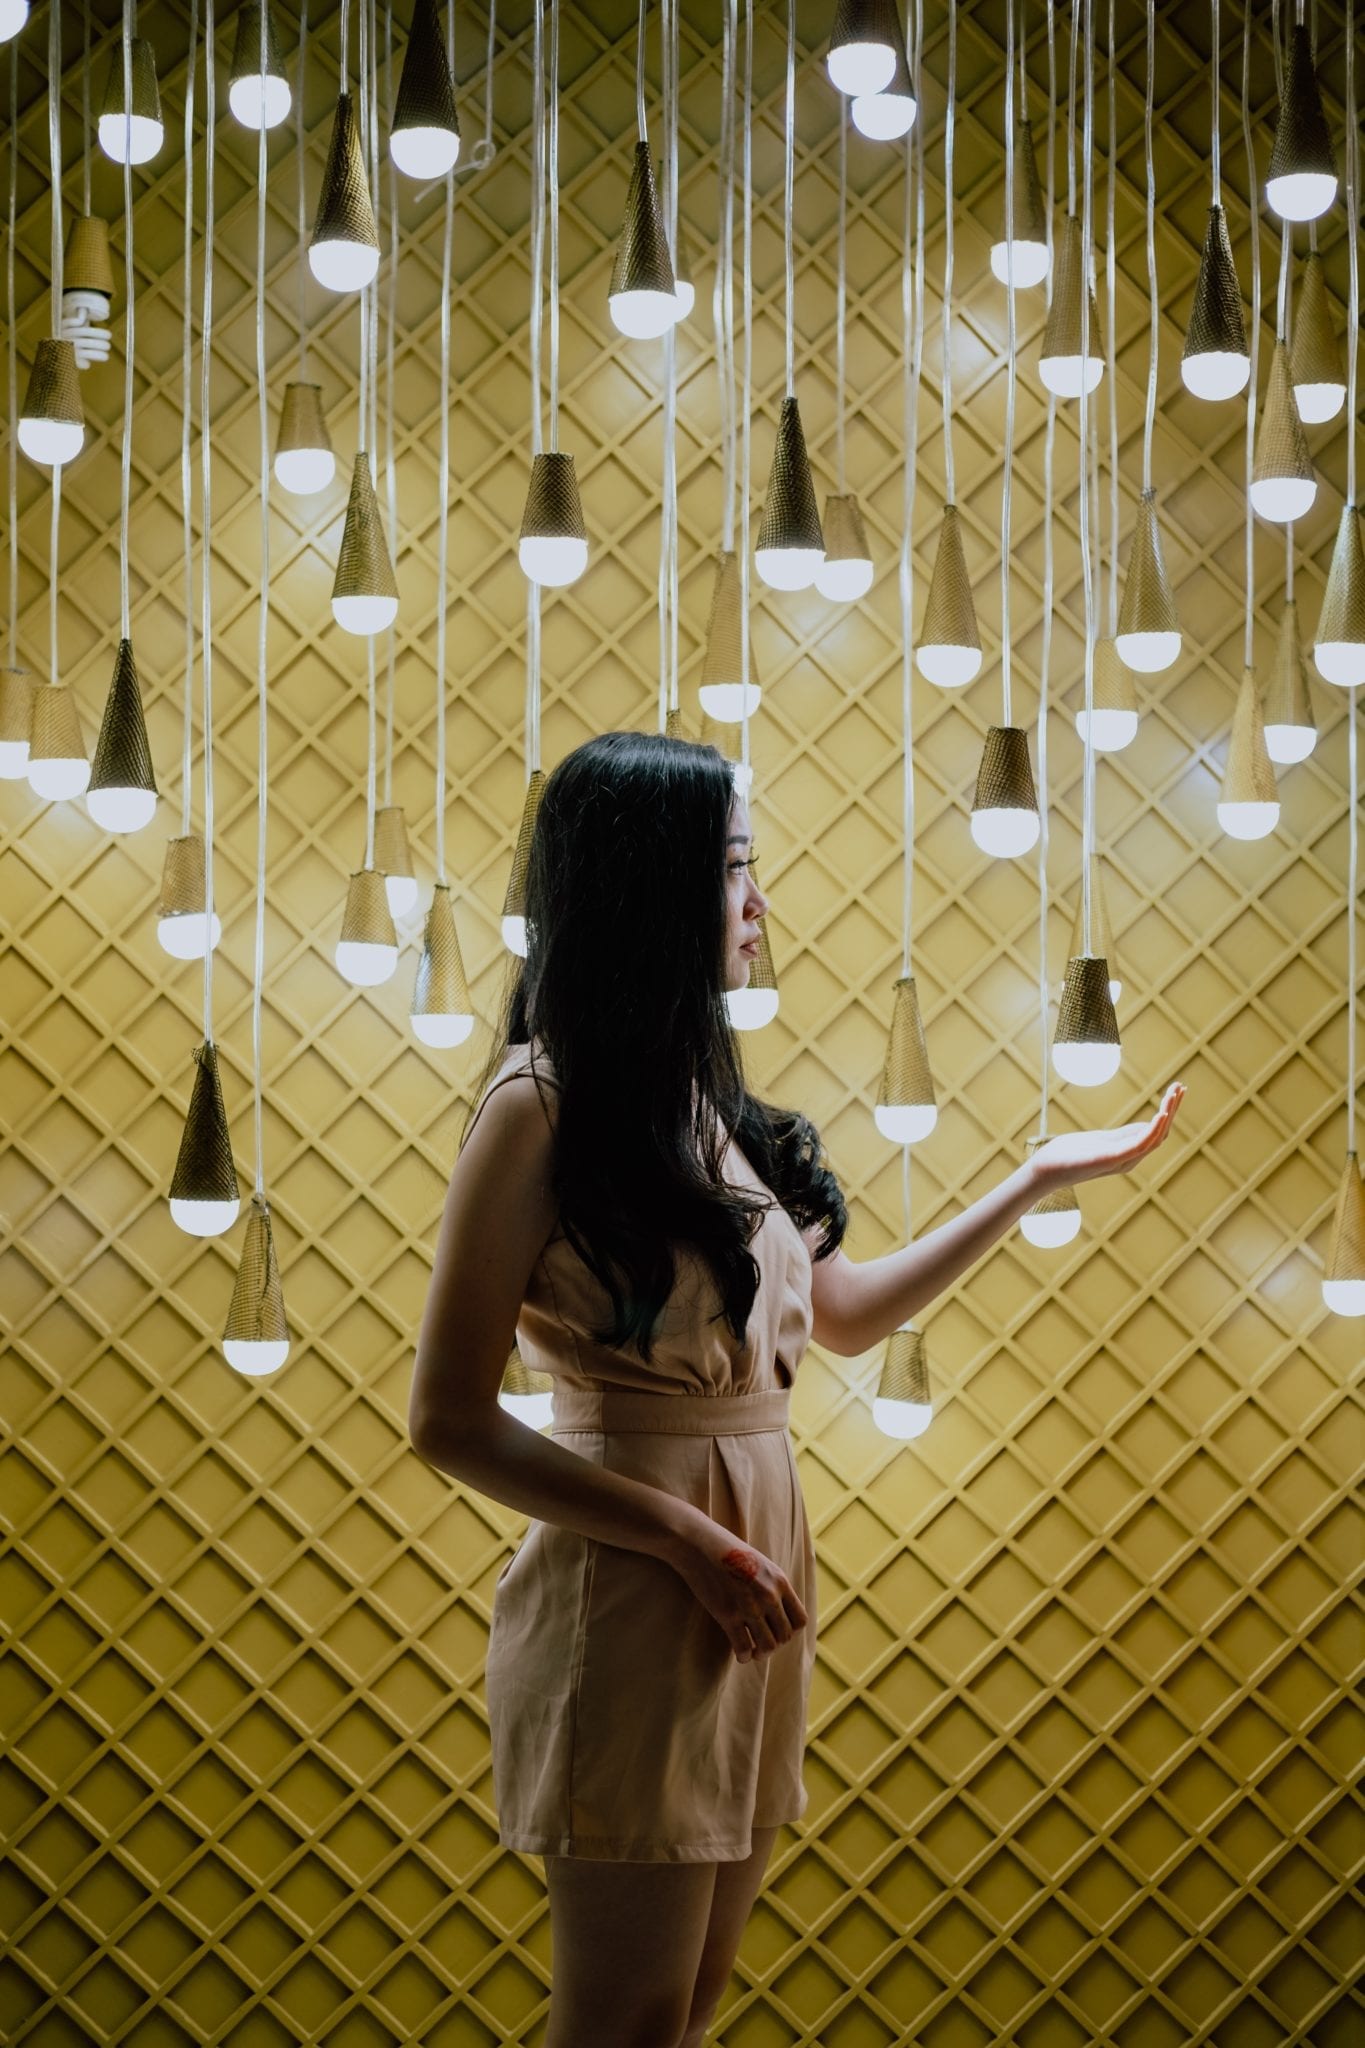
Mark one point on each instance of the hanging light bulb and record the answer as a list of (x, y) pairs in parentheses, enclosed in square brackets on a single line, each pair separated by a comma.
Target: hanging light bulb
[(755, 1005), (13, 15), (791, 542), (901, 1406), (1060, 365), (1055, 1219), (16, 721), (180, 921), (344, 252), (1339, 649), (441, 1013), (393, 858), (257, 100), (725, 693), (642, 297), (846, 571), (1148, 637), (52, 422), (906, 1109), (684, 291), (367, 951), (1216, 362), (1085, 1046), (87, 289), (889, 113), (58, 766), (1102, 932), (121, 794), (1343, 1280), (365, 591), (514, 903), (205, 1196), (1249, 806), (1315, 354), (1301, 182), (862, 45), (143, 134), (256, 1334), (1283, 485), (1290, 733), (949, 650), (1113, 720), (1024, 244), (424, 140), (553, 544), (304, 461), (527, 1395), (1005, 819)]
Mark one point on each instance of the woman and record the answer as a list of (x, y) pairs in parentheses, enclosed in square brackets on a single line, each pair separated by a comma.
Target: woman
[(653, 1638)]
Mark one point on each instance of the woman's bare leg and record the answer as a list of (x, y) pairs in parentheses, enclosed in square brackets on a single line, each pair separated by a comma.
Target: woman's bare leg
[(737, 1886), (628, 1940)]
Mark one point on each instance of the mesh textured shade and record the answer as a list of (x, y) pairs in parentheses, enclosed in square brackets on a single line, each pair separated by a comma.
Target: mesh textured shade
[(1061, 1201), (721, 663), (182, 877), (86, 266), (1148, 606), (1062, 335), (906, 1077), (1281, 449), (514, 903), (302, 424), (762, 973), (865, 23), (204, 1171), (1346, 1256), (1217, 318), (1085, 1014), (845, 535), (367, 919), (441, 989), (146, 93), (674, 728), (1004, 781), (1249, 776), (1028, 231), (363, 565), (1287, 698), (256, 1311), (1111, 684), (426, 91), (1339, 645), (518, 1378), (56, 730), (246, 54), (890, 113), (791, 517), (905, 1369), (344, 211), (643, 263), (17, 690), (123, 754), (554, 510), (1315, 353), (392, 854), (54, 384), (1303, 141), (949, 611)]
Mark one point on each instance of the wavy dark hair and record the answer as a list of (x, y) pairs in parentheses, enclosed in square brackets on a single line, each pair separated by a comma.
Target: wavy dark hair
[(623, 985)]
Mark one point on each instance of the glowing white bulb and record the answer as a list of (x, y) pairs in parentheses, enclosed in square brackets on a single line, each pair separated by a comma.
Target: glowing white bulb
[(13, 15), (844, 580), (884, 116), (1248, 821), (643, 316), (861, 67), (535, 1410), (343, 266), (1030, 262), (553, 559), (364, 614), (1051, 1230), (948, 666), (441, 1028), (53, 441), (905, 1123), (1283, 497), (751, 1008), (789, 568), (1147, 653), (182, 936), (1062, 374), (1085, 1063), (146, 138), (1215, 373), (1005, 833), (57, 777), (514, 935), (1340, 661), (902, 1419), (121, 810), (1344, 1297), (204, 1219), (730, 702), (401, 891), (260, 102), (424, 152), (1111, 729), (1319, 402), (304, 470), (365, 962), (1287, 744), (13, 760), (684, 296), (255, 1357), (1301, 195)]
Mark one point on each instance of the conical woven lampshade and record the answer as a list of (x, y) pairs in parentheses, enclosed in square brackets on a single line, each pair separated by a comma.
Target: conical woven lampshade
[(365, 587), (1301, 182), (1290, 730), (1085, 1015), (674, 726), (55, 733), (762, 973), (553, 543), (424, 138), (1148, 637), (344, 251), (1061, 1203), (16, 721), (905, 1369), (182, 878), (441, 989), (123, 754), (949, 651), (722, 734), (642, 293), (1028, 260), (520, 1379), (86, 266), (1249, 774), (722, 691), (907, 1082), (204, 1171), (1346, 1255), (1339, 646), (514, 902), (1059, 362), (367, 919), (52, 418), (392, 854), (1315, 353), (862, 45), (791, 542), (846, 572), (1283, 484), (1005, 818), (1216, 361), (256, 1313), (304, 461), (1113, 699), (257, 101), (146, 125)]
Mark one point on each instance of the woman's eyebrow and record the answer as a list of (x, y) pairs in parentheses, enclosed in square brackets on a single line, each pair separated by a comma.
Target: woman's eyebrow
[(740, 839)]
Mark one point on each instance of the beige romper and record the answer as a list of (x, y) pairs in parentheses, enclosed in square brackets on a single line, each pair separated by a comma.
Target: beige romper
[(622, 1726)]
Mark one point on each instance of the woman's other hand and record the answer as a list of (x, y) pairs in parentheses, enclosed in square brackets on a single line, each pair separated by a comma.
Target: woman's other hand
[(1085, 1155)]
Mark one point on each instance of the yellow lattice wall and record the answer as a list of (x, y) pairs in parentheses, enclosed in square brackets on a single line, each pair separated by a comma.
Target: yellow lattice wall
[(1082, 1736)]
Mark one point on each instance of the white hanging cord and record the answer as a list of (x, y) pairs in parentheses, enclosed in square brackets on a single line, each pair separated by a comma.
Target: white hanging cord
[(946, 381), (1215, 139), (301, 72), (537, 216), (840, 302), (1071, 113), (262, 645), (746, 378), (206, 508), (1007, 494), (11, 351), (85, 107), (54, 141), (130, 293), (642, 127), (552, 149), (443, 518), (390, 454), (1353, 425), (912, 320), (1087, 250), (670, 351), (186, 421), (1353, 257), (789, 169), (1111, 340), (54, 544), (485, 149), (1045, 663), (1149, 418), (668, 489), (1249, 641), (723, 296), (369, 93)]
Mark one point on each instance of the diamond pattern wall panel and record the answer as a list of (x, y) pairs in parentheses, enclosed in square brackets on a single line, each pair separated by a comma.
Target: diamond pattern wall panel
[(1084, 1741)]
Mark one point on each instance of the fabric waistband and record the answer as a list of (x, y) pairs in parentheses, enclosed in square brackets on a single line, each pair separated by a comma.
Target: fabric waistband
[(620, 1409)]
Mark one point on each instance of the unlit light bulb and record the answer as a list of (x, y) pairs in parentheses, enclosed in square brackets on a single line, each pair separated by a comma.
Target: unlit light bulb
[(204, 1219), (751, 1008), (1005, 833), (441, 1029), (905, 1123), (121, 810), (50, 441), (182, 936), (365, 962), (424, 152), (401, 891), (514, 935), (554, 559), (1248, 820), (1086, 1063), (1110, 730)]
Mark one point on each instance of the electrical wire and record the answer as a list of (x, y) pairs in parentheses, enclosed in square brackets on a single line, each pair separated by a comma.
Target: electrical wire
[(668, 496), (301, 157), (1111, 339), (537, 215), (640, 123), (85, 106), (186, 421), (1149, 416), (1215, 138), (746, 379), (11, 352), (1352, 430), (54, 143), (840, 301), (723, 296), (946, 380), (126, 463), (552, 148), (1249, 641), (1045, 660), (443, 519), (206, 491), (1087, 253), (262, 642), (390, 453), (912, 314), (789, 169), (1007, 491)]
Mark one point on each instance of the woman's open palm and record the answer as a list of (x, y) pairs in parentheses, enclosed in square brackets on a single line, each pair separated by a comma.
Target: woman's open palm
[(1085, 1155)]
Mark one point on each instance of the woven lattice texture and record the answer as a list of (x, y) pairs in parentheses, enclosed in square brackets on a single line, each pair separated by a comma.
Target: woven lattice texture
[(1343, 603), (256, 1312), (204, 1171), (246, 48), (1083, 1735), (1281, 445), (426, 93), (643, 263), (344, 211), (1004, 781), (762, 973), (554, 509), (1288, 699), (1148, 600), (844, 531), (1062, 335), (364, 565), (54, 385), (950, 610), (86, 265), (302, 424), (791, 517), (1085, 1014), (906, 1078), (182, 877), (392, 854), (1303, 140), (723, 659), (1112, 687), (441, 988), (518, 1378), (1030, 212), (1314, 351), (57, 734), (123, 754), (905, 1369), (1217, 323), (1346, 1254), (16, 705), (514, 902), (143, 73), (1249, 776), (367, 919), (864, 21)]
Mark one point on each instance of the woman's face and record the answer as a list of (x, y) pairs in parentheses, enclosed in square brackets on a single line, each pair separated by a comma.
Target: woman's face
[(745, 902)]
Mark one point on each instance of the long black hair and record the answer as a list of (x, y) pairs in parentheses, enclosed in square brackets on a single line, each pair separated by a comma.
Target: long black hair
[(623, 985)]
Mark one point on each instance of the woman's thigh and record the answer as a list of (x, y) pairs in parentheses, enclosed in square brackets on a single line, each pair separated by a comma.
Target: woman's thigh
[(627, 1940)]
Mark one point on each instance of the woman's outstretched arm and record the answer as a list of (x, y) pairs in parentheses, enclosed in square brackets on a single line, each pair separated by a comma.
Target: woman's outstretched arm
[(859, 1302)]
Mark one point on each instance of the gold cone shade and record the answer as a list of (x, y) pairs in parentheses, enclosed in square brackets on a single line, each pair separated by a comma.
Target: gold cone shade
[(1062, 1201), (123, 755), (54, 384), (1287, 697), (146, 94), (950, 613), (1249, 777), (674, 729), (1315, 353), (1101, 931), (791, 517), (392, 855), (301, 419), (183, 887), (1346, 1258), (204, 1171), (1281, 450), (514, 903), (86, 266), (246, 50), (16, 706), (906, 1078), (721, 662), (1303, 140), (643, 263), (1148, 601), (256, 1313), (519, 1378), (1062, 335), (441, 989), (426, 91), (554, 510), (1085, 1015), (56, 732), (905, 1369), (1030, 214), (1343, 601), (367, 919), (363, 565), (1217, 320), (864, 21), (762, 973), (722, 734), (1111, 684), (844, 531), (1004, 781), (344, 211)]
